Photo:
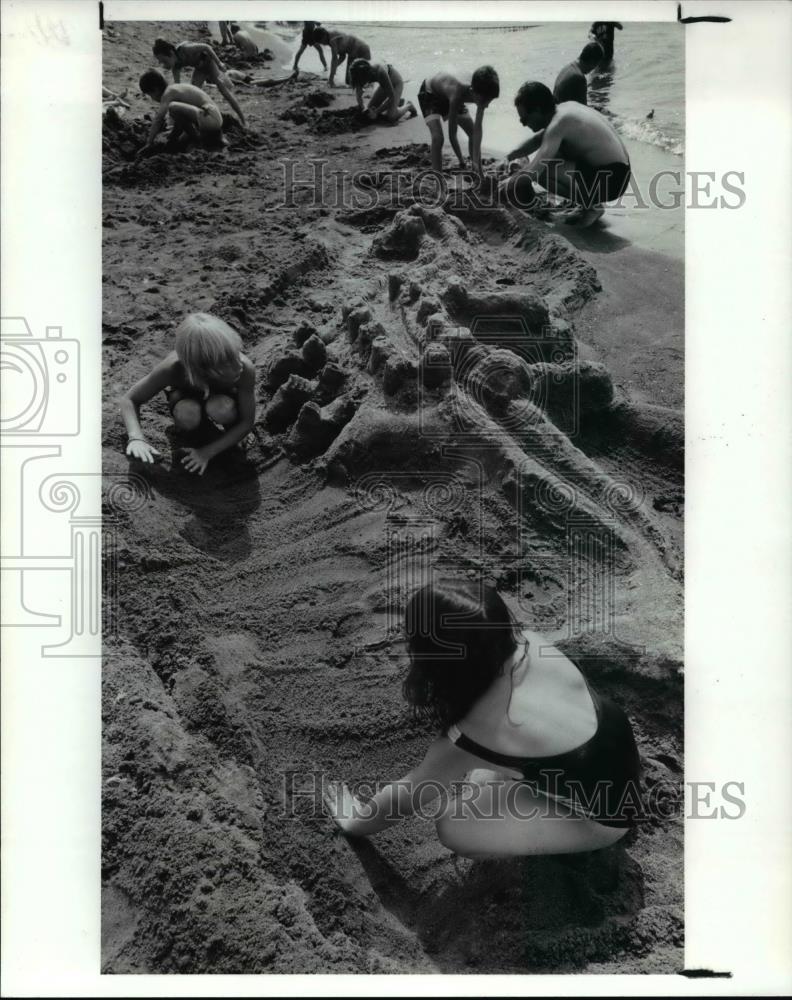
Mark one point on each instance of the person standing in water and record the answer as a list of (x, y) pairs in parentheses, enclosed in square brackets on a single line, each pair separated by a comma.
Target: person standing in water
[(603, 32), (571, 84), (529, 759)]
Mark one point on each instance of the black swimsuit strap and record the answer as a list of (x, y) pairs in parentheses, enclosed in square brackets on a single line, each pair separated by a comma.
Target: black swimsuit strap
[(522, 763)]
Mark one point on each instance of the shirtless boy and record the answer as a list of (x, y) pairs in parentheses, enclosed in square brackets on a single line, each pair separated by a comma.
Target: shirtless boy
[(190, 109), (341, 47), (309, 28), (203, 61), (244, 42), (442, 97), (578, 154), (386, 100), (571, 84)]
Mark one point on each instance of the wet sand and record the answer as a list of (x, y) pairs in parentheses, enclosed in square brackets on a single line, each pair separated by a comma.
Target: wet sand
[(253, 647)]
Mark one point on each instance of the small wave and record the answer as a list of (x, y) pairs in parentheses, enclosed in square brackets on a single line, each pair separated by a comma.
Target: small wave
[(647, 131)]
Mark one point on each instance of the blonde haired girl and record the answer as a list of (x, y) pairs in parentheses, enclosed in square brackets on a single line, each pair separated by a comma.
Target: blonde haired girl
[(206, 378)]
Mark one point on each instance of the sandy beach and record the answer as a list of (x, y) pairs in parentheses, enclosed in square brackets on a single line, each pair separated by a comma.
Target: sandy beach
[(253, 648)]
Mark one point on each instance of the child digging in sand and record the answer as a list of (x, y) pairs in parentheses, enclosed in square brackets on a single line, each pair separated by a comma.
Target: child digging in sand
[(442, 97), (203, 61), (386, 101), (190, 109), (309, 28), (552, 767), (342, 47), (206, 378)]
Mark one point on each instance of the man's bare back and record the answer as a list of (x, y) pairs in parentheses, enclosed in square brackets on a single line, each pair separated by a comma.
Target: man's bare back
[(571, 85), (586, 136)]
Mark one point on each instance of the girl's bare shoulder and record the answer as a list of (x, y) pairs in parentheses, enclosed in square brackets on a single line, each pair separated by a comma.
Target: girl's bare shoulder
[(171, 360)]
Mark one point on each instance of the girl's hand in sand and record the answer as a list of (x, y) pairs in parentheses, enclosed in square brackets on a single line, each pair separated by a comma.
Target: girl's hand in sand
[(195, 460), (142, 450), (340, 803)]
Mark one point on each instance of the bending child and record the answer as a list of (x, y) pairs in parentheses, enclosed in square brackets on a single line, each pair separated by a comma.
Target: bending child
[(309, 29), (552, 767), (206, 378), (386, 101), (191, 110), (203, 61), (342, 47), (442, 97)]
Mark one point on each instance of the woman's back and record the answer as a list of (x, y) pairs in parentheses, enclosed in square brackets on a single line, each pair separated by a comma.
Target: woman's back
[(539, 721), (539, 706)]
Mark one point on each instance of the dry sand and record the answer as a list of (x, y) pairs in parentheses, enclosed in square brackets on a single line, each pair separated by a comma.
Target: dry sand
[(250, 643)]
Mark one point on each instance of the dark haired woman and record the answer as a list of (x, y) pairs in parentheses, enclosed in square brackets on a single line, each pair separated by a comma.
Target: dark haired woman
[(552, 767)]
